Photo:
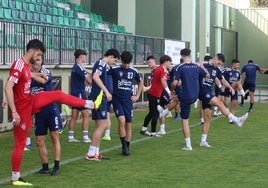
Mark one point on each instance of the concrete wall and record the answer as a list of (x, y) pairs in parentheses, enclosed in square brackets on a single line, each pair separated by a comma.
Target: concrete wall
[(252, 44), (127, 15), (150, 18), (108, 9), (172, 19)]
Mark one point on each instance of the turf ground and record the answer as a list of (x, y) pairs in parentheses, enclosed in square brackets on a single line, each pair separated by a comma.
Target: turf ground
[(238, 157)]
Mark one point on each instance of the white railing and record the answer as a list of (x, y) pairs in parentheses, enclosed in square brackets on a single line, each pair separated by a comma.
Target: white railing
[(256, 18)]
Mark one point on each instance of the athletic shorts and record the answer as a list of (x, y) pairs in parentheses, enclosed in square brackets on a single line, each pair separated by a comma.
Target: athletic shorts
[(164, 99), (47, 121), (185, 110), (81, 96), (101, 113), (227, 93), (109, 105), (123, 108), (218, 91), (249, 86), (205, 96)]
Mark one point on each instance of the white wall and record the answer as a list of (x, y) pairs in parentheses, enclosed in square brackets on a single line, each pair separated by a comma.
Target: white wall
[(127, 14), (188, 24)]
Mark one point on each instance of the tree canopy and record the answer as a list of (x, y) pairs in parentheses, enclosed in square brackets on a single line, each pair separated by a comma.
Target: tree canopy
[(259, 3)]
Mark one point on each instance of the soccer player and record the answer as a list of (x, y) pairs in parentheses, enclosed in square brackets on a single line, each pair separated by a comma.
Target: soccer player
[(23, 104), (249, 84), (209, 99), (158, 84), (99, 75), (152, 64), (48, 118), (78, 77), (187, 75), (207, 58), (109, 85), (123, 97), (233, 76)]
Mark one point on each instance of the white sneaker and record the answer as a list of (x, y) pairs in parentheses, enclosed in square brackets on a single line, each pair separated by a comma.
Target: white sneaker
[(73, 140), (160, 110), (154, 134), (231, 121), (205, 144), (241, 120), (26, 149), (187, 148), (215, 114), (87, 140), (161, 132), (146, 133)]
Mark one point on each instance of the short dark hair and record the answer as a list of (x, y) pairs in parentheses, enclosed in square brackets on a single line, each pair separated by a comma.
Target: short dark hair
[(221, 57), (79, 52), (250, 61), (114, 52), (165, 58), (207, 58), (36, 45), (126, 57), (235, 61), (150, 57), (185, 52)]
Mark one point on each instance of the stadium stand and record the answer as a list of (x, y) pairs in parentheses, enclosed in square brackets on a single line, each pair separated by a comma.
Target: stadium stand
[(64, 27), (59, 12)]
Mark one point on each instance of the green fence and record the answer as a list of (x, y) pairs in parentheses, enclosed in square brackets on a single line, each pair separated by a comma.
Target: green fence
[(62, 41), (261, 92)]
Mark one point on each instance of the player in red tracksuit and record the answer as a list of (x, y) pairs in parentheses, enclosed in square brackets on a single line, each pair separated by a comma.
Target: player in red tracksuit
[(23, 104), (159, 83)]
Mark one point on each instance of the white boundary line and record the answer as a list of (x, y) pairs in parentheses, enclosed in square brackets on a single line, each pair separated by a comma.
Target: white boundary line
[(67, 161)]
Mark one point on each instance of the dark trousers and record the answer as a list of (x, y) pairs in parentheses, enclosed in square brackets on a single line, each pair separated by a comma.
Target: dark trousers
[(153, 113)]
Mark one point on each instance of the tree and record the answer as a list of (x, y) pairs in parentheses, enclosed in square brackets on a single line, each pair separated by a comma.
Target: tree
[(258, 3)]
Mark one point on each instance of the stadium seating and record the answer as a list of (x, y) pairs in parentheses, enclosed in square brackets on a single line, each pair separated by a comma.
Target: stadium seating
[(51, 12), (39, 18)]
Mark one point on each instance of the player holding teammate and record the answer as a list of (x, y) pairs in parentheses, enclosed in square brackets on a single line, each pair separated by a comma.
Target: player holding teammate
[(48, 118), (22, 104)]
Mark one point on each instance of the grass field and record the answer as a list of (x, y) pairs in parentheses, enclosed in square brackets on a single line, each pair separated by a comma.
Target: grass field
[(238, 157)]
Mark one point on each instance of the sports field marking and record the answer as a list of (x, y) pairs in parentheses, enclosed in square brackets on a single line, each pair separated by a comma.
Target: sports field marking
[(67, 161)]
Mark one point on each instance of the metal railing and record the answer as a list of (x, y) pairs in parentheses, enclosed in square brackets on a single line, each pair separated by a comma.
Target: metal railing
[(256, 18), (261, 92), (61, 43)]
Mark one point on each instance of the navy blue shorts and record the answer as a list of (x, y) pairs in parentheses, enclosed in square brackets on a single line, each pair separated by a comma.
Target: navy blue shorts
[(249, 86), (51, 121), (185, 110), (109, 105), (205, 96), (164, 99), (81, 96), (227, 93), (123, 108), (101, 113)]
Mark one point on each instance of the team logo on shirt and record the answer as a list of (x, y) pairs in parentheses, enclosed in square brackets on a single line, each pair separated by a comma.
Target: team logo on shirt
[(120, 73), (207, 95), (213, 72)]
